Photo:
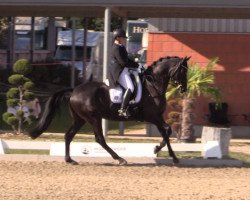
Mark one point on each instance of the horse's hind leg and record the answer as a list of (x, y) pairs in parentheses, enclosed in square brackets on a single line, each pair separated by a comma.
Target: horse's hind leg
[(97, 127), (166, 131), (77, 124)]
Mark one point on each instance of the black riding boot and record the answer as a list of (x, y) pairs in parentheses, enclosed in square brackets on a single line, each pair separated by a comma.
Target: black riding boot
[(123, 112)]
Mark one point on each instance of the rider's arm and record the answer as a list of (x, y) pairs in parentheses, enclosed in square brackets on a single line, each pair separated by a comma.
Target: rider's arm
[(121, 56)]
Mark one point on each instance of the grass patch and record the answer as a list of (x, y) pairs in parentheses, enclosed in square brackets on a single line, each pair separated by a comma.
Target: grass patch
[(240, 156), (27, 151), (180, 154), (239, 144), (197, 155)]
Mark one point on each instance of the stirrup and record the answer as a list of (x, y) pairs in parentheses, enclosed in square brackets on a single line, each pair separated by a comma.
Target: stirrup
[(124, 113)]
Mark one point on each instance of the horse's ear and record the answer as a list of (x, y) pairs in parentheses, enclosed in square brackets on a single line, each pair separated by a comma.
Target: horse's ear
[(187, 58)]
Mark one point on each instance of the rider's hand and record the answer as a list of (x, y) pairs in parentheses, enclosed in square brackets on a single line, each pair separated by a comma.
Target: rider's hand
[(141, 69)]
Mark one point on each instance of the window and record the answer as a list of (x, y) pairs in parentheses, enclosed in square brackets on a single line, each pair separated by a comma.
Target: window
[(65, 53)]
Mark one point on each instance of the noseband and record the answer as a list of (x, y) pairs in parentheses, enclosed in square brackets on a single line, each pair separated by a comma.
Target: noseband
[(178, 66)]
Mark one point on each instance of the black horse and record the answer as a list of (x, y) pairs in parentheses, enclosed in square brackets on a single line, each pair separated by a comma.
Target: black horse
[(90, 102)]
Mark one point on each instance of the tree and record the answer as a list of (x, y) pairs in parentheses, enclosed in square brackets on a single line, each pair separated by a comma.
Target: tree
[(200, 83), (97, 24), (18, 96), (3, 32)]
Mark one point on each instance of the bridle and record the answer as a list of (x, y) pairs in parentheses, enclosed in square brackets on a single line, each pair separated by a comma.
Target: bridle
[(178, 66), (161, 92)]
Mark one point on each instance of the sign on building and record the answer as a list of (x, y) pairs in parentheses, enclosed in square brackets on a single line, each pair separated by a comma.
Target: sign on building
[(135, 30)]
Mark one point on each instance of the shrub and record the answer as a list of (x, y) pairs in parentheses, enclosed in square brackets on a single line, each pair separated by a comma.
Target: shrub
[(174, 117), (22, 66), (18, 96)]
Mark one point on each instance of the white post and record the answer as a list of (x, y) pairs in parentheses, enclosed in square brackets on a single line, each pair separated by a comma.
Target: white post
[(73, 47), (32, 39), (106, 53), (85, 33)]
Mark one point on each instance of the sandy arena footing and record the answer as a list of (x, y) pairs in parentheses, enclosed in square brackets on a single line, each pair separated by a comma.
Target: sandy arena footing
[(137, 160)]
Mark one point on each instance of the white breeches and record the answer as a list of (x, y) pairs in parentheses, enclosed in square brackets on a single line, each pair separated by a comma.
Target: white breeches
[(125, 80)]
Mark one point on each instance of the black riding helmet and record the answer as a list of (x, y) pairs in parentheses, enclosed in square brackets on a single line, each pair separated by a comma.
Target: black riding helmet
[(119, 33)]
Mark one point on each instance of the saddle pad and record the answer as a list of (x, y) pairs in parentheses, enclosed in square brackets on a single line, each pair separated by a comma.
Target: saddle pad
[(116, 93)]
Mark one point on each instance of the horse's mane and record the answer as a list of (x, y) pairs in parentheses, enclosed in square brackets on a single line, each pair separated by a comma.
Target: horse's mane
[(160, 60)]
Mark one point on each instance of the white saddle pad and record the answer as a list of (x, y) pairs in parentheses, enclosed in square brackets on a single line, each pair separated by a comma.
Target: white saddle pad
[(116, 93)]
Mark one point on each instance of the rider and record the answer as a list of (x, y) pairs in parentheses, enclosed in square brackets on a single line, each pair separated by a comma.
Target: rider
[(119, 73)]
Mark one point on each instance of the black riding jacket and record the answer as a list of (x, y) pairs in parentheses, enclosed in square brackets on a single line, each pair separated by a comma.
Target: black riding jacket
[(119, 60)]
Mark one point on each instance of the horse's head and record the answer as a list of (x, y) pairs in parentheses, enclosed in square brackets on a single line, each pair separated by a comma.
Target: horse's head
[(167, 69), (178, 73)]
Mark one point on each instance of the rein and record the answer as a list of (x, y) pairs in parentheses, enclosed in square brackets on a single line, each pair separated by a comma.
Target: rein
[(157, 90), (177, 66)]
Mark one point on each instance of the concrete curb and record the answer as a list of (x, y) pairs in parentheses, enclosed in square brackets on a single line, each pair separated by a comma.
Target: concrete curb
[(131, 161)]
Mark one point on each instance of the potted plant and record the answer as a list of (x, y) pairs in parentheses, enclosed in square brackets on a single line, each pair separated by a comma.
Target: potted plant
[(218, 128)]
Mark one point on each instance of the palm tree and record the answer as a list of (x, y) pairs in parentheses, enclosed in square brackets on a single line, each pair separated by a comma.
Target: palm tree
[(200, 83)]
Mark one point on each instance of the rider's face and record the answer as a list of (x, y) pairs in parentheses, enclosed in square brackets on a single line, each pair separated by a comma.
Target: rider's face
[(121, 40)]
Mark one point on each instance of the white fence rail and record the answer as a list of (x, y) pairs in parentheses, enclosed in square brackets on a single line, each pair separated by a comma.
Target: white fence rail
[(15, 144), (210, 149)]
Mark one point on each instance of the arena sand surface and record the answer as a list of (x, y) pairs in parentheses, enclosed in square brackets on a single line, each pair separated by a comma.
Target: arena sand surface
[(57, 180)]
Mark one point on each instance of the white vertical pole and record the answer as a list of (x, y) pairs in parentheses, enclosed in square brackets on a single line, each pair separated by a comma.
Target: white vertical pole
[(85, 38), (13, 41), (32, 39), (106, 53), (73, 55)]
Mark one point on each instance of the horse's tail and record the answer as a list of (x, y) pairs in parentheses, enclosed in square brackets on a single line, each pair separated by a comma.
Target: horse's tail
[(51, 106)]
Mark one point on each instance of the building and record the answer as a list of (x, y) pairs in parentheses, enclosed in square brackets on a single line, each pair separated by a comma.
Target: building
[(203, 39), (18, 36)]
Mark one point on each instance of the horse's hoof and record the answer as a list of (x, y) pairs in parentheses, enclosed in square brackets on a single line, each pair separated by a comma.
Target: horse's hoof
[(176, 160), (157, 149), (122, 161), (72, 162)]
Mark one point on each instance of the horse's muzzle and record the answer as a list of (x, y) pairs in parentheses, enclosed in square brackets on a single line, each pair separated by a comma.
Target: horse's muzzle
[(182, 89)]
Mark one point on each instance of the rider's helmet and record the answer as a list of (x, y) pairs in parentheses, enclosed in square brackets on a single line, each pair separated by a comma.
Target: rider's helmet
[(119, 33)]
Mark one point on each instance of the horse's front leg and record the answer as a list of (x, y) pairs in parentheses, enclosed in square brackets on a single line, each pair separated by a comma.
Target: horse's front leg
[(165, 131)]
